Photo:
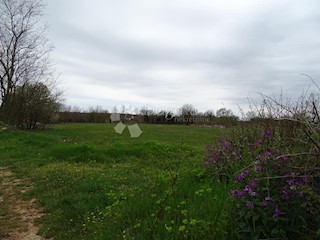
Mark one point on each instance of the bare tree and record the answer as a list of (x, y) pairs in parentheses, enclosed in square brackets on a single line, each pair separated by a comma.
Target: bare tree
[(223, 112), (209, 113), (24, 48), (188, 110)]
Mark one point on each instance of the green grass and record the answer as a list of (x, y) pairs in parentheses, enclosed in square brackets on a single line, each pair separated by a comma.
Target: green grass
[(96, 184)]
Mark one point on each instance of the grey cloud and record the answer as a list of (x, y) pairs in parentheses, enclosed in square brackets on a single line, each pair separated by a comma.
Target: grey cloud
[(264, 51)]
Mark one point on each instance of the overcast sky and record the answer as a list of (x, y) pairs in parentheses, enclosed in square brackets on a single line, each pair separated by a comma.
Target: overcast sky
[(165, 53)]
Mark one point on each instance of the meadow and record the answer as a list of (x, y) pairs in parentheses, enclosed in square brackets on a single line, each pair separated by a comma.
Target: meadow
[(96, 184)]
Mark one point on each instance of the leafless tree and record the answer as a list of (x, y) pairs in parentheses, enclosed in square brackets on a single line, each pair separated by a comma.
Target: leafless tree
[(188, 110), (209, 113), (223, 112), (24, 49)]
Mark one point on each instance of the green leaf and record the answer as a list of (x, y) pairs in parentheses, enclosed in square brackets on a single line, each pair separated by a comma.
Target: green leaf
[(182, 228)]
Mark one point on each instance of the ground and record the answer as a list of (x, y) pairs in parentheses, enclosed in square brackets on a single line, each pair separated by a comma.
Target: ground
[(21, 214)]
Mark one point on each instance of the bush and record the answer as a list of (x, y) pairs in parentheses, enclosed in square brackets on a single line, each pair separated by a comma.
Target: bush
[(32, 105), (275, 172)]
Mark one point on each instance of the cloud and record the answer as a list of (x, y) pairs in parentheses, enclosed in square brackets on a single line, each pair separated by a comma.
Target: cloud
[(207, 53)]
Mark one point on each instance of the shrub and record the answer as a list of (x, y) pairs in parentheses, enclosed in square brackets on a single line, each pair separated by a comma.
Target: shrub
[(32, 105), (276, 173)]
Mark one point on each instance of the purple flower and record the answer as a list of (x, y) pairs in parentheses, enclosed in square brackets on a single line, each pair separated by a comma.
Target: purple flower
[(225, 144), (302, 180), (290, 181), (285, 160), (250, 205), (235, 193), (277, 212), (257, 168), (247, 189), (242, 193), (267, 154), (268, 199), (286, 194), (258, 142), (263, 204), (266, 134), (253, 194), (213, 156), (243, 175), (253, 184)]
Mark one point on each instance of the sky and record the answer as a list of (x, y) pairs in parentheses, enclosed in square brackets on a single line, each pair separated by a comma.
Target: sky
[(162, 54)]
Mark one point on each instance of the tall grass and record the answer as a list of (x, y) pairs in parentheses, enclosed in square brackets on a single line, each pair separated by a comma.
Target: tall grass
[(96, 184)]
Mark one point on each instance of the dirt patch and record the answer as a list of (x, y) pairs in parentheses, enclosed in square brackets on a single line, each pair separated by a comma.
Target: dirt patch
[(20, 215)]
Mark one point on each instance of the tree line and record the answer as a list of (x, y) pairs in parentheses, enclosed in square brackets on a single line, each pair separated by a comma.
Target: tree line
[(187, 114)]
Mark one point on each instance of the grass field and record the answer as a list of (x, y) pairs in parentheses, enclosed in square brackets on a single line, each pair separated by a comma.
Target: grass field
[(96, 184)]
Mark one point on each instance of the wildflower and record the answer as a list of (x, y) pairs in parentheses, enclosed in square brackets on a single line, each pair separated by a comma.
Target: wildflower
[(243, 175), (253, 184), (302, 180), (286, 194), (263, 204), (266, 134), (268, 199), (225, 144), (290, 181), (235, 193), (258, 142), (285, 160), (266, 154), (250, 205), (253, 194), (257, 168), (277, 212), (247, 189), (242, 193)]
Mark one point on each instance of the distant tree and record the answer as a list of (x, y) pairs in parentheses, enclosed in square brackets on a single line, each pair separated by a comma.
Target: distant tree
[(65, 108), (188, 110), (209, 113), (97, 109), (146, 112), (24, 50), (223, 112), (76, 109), (97, 114)]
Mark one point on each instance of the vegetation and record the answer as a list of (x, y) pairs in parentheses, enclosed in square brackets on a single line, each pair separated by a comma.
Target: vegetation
[(274, 163), (25, 68), (257, 180), (33, 104), (96, 184)]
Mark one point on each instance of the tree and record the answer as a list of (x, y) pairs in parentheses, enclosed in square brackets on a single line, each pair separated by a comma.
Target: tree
[(187, 110), (209, 113), (24, 49), (223, 112), (33, 104), (146, 112)]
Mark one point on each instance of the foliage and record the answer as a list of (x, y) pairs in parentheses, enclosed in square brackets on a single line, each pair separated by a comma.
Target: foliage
[(33, 104), (96, 184), (276, 176), (223, 112), (24, 52), (187, 110), (270, 191)]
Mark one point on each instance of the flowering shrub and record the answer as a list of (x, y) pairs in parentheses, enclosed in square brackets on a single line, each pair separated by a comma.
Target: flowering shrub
[(270, 191), (223, 159)]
